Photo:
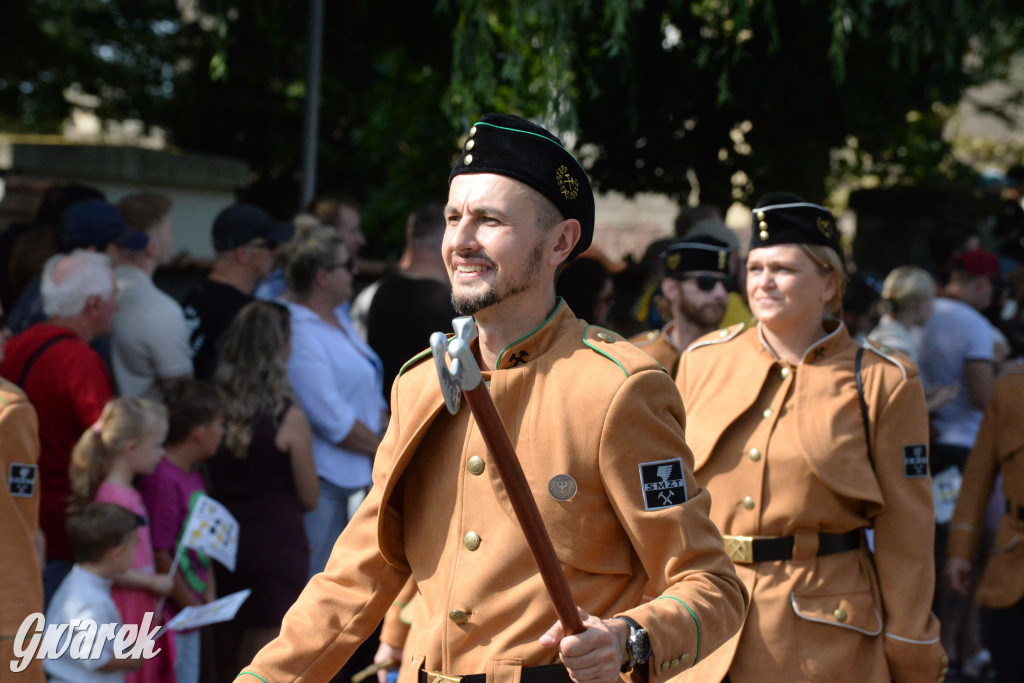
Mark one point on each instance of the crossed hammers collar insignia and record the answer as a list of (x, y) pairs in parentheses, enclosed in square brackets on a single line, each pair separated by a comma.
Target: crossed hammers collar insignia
[(517, 359)]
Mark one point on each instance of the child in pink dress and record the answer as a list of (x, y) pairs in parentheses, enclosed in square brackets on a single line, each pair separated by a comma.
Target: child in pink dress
[(127, 441)]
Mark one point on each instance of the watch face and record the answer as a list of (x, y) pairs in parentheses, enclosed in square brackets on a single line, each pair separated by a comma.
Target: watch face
[(638, 646)]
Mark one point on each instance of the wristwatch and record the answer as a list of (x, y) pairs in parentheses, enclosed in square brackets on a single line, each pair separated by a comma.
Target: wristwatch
[(638, 645)]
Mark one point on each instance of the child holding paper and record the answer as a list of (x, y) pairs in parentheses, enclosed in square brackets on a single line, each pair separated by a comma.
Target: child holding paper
[(127, 441), (195, 430)]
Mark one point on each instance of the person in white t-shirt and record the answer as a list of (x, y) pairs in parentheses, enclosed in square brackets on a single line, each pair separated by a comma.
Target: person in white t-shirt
[(104, 536)]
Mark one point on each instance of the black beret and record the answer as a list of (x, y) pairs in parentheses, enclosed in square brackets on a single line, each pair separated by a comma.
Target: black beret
[(509, 145), (701, 254), (785, 218)]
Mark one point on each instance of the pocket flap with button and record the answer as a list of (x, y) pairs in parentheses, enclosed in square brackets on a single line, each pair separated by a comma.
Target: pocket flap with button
[(856, 611)]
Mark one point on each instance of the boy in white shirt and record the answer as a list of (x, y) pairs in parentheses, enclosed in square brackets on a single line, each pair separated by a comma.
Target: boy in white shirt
[(103, 536)]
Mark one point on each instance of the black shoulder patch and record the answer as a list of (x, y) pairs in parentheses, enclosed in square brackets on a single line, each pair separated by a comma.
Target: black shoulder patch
[(915, 461), (662, 483), (21, 480)]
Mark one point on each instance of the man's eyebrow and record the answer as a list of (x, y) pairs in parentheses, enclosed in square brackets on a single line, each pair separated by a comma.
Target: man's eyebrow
[(492, 211)]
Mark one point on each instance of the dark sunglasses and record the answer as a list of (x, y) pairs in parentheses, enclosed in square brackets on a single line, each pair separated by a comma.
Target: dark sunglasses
[(706, 283)]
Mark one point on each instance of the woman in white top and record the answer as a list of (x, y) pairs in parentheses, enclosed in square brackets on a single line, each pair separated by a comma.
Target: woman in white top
[(908, 295)]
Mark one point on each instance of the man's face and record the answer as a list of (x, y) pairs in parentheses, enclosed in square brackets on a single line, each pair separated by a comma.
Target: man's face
[(701, 297), (161, 236), (350, 227), (493, 250), (259, 254)]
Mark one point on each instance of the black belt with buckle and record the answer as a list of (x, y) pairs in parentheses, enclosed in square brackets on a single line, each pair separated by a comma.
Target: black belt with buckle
[(548, 673), (750, 549), (1016, 511)]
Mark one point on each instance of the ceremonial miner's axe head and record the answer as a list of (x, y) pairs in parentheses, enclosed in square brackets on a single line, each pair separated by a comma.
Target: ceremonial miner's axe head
[(464, 373)]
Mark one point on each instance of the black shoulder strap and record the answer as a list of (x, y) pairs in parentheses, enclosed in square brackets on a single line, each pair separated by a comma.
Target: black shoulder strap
[(38, 352), (863, 404)]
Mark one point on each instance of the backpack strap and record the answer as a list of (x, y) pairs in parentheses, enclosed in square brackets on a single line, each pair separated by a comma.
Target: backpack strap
[(38, 352)]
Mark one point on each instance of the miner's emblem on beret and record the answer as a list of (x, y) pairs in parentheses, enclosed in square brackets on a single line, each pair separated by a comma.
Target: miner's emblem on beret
[(672, 262), (721, 259), (567, 185), (825, 226)]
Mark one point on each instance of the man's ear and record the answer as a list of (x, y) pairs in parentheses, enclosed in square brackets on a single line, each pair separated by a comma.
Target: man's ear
[(567, 234), (92, 303)]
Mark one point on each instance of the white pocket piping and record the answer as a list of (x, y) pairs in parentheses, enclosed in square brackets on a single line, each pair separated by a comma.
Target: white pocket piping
[(878, 618)]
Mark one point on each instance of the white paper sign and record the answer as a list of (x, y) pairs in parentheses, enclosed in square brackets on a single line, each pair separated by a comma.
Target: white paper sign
[(223, 609)]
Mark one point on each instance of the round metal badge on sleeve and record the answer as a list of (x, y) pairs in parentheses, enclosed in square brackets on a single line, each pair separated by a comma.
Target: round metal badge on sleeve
[(562, 487)]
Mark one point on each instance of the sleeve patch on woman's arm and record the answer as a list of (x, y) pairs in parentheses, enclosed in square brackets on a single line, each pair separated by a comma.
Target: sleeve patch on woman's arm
[(915, 461), (662, 483)]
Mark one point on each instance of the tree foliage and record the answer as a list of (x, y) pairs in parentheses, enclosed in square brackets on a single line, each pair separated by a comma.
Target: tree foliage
[(724, 97)]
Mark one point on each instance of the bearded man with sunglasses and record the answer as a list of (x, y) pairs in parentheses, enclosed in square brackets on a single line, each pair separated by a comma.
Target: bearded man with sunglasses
[(698, 279)]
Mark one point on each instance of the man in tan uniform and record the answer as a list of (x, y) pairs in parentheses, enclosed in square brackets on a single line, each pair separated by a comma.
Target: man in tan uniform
[(598, 429), (698, 277), (999, 450), (21, 586)]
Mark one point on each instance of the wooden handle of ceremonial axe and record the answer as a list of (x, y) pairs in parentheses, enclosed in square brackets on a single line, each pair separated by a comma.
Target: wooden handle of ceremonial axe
[(525, 507), (464, 379)]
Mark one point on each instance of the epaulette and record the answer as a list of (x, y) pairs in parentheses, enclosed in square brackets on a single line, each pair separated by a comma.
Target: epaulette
[(719, 337), (888, 354), (617, 349), (415, 360)]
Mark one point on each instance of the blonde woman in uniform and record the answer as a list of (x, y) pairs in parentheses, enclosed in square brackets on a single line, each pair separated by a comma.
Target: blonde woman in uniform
[(799, 466)]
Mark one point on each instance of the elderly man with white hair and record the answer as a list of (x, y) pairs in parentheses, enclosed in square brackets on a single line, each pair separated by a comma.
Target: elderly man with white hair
[(65, 380)]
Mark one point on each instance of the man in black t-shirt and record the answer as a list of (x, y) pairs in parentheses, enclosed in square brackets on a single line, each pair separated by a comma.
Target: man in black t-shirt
[(415, 302), (245, 238)]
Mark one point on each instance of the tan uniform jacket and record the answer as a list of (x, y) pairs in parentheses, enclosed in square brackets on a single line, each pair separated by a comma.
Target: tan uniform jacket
[(999, 449), (576, 401), (21, 587), (782, 450), (658, 345)]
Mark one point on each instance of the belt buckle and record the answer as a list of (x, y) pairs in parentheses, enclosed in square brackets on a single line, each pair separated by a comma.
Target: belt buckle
[(438, 677), (739, 548)]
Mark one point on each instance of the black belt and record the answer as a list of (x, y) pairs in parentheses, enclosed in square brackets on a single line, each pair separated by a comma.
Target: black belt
[(747, 549), (1015, 511), (548, 673)]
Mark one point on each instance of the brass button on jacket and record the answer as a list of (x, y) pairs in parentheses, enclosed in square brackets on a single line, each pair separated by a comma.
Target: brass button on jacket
[(754, 455), (840, 615), (748, 503), (475, 465), (472, 540), (458, 616)]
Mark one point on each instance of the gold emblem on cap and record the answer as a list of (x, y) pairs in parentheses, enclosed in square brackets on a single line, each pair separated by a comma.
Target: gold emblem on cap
[(672, 262), (762, 226), (567, 185), (760, 214), (721, 260), (468, 160), (825, 226), (472, 131), (470, 144), (763, 235)]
